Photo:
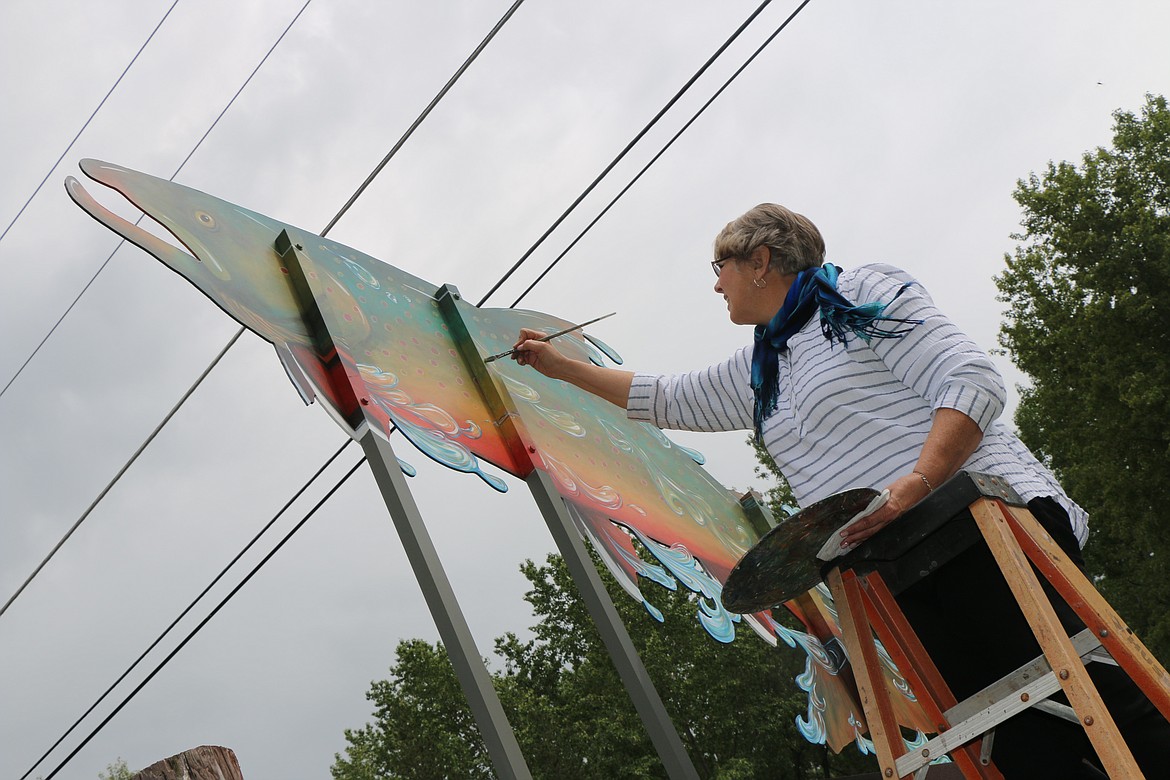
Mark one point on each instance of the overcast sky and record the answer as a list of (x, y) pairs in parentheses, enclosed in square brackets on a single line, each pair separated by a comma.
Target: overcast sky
[(900, 128)]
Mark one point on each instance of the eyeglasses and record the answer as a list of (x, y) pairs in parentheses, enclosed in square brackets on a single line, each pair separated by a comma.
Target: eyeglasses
[(717, 265)]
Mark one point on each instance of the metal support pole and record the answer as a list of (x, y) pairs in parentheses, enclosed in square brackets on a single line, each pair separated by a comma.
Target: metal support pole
[(428, 570), (613, 632)]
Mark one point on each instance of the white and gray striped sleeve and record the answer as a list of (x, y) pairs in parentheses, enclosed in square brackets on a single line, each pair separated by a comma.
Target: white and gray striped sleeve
[(935, 358), (716, 398)]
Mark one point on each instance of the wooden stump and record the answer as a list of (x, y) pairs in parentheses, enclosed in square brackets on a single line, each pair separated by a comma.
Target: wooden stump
[(201, 763)]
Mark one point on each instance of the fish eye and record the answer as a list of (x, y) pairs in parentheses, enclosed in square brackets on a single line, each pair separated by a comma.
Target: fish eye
[(205, 219)]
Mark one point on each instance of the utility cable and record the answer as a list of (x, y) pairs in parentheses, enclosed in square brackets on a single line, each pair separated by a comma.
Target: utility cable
[(190, 606), (206, 620), (662, 112), (61, 319), (186, 159), (122, 471), (91, 116), (661, 152), (425, 113)]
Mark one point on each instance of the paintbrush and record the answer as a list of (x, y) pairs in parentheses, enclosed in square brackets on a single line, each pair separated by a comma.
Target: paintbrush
[(550, 336)]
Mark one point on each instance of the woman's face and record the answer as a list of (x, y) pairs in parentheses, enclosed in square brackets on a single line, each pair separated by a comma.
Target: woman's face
[(736, 283)]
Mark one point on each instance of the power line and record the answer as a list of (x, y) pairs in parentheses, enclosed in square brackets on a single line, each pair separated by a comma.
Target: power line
[(661, 152), (605, 171), (122, 471), (207, 619), (247, 81), (91, 116), (190, 606), (425, 113), (60, 319), (186, 159)]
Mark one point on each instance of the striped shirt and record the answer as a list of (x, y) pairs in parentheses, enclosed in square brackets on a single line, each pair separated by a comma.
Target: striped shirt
[(857, 415)]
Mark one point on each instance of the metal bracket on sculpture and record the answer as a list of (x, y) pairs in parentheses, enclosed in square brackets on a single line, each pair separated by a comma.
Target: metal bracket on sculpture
[(341, 380), (506, 417)]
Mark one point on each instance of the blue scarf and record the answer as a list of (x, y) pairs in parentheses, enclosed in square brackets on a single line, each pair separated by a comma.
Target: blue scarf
[(814, 288)]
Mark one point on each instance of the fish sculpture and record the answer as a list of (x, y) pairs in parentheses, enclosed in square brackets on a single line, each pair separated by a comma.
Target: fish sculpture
[(403, 354)]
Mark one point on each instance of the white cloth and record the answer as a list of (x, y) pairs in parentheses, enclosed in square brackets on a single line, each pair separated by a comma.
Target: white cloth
[(833, 546), (858, 415)]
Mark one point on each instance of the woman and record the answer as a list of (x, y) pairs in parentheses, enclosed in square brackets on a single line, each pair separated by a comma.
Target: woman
[(886, 394), (856, 379)]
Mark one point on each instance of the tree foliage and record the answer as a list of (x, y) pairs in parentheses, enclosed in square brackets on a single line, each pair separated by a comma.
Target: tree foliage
[(422, 725), (1089, 322), (118, 770), (734, 705)]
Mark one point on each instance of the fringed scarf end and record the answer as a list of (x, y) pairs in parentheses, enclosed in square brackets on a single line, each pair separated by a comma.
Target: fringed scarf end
[(837, 322), (814, 289)]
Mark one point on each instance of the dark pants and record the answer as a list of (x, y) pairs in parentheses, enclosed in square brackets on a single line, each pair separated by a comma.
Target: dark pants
[(970, 624)]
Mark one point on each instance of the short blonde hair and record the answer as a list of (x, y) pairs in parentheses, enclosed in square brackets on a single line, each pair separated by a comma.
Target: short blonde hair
[(793, 241)]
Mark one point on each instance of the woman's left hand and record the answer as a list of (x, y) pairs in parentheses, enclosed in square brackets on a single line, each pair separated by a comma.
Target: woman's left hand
[(953, 437), (905, 492)]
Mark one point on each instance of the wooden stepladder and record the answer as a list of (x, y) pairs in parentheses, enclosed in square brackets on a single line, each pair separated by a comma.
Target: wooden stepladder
[(863, 584)]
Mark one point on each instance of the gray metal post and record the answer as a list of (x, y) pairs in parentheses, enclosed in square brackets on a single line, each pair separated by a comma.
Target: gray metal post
[(428, 570), (613, 632)]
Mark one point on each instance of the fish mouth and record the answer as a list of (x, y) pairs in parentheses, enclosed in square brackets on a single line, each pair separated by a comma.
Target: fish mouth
[(167, 253), (122, 180), (154, 196)]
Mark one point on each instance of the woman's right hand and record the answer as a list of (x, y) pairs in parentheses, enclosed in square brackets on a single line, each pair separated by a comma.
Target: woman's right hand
[(541, 355), (609, 383)]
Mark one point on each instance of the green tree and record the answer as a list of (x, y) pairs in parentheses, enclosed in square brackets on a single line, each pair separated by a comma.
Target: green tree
[(422, 725), (1089, 322), (779, 497), (734, 705), (117, 771)]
